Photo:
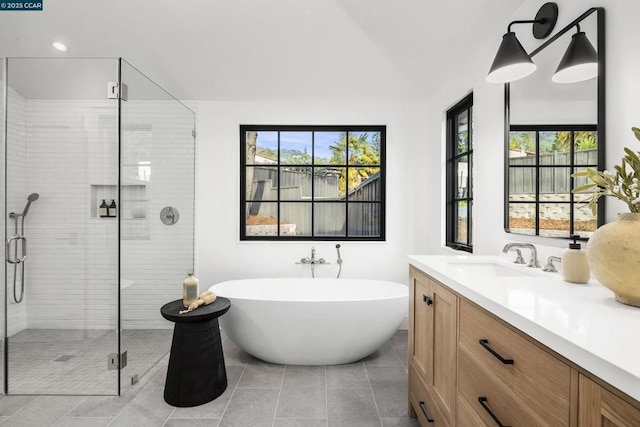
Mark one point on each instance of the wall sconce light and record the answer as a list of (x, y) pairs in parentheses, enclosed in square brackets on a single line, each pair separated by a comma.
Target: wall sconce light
[(512, 62), (580, 61)]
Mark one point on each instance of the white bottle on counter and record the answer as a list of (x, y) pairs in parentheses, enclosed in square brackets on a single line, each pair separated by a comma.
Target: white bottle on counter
[(190, 290), (575, 266)]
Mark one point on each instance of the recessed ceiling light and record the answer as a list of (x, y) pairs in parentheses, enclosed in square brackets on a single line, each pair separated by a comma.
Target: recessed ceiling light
[(60, 46)]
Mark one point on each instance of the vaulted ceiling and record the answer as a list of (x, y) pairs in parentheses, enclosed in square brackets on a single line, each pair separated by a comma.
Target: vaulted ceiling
[(266, 49)]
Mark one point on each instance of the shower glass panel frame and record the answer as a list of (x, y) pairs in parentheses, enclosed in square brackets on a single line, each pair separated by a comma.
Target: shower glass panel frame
[(90, 322)]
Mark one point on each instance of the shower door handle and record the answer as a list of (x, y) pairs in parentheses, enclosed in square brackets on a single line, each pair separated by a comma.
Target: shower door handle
[(16, 260)]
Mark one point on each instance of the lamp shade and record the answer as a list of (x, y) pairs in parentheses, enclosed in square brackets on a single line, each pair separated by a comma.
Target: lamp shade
[(579, 63), (511, 63)]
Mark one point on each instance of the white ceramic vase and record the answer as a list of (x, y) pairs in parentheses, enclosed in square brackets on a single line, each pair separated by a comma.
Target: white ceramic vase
[(614, 257)]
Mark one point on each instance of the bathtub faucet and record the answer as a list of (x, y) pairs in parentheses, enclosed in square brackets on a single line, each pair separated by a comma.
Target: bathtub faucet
[(312, 260)]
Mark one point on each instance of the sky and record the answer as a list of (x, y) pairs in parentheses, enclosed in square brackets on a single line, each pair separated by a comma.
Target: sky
[(302, 140)]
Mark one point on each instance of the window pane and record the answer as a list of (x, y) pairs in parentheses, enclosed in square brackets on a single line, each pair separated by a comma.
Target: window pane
[(586, 148), (326, 182), (295, 148), (554, 219), (329, 148), (522, 183), (295, 183), (554, 168), (261, 219), (364, 184), (262, 183), (580, 181), (295, 219), (522, 145), (554, 184), (329, 219), (462, 215), (262, 147), (555, 147), (470, 214), (364, 148), (584, 222), (299, 175), (522, 218), (364, 219), (462, 132), (461, 168)]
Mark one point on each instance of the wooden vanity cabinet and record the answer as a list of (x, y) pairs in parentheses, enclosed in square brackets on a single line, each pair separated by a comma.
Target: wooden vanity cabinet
[(468, 368), (504, 376), (433, 316), (598, 407)]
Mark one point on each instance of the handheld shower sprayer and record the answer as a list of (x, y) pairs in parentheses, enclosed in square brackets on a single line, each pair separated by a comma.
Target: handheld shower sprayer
[(19, 237), (31, 198), (339, 261)]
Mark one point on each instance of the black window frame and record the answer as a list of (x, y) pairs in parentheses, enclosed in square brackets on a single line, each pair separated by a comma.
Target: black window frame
[(572, 166), (453, 197), (244, 128)]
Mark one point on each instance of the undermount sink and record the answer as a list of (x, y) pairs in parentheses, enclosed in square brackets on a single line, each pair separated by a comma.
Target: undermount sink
[(489, 269)]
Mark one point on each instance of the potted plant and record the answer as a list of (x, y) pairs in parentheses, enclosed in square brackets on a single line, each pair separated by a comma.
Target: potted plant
[(614, 249)]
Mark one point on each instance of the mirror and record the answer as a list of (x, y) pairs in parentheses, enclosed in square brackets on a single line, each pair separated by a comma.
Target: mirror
[(551, 131)]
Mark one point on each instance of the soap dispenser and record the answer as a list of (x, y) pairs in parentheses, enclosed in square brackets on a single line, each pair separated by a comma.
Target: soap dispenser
[(104, 209), (112, 209), (575, 266), (190, 290)]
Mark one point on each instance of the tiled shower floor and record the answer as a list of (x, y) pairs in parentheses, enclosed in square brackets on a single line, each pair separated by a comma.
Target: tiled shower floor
[(370, 392), (54, 361)]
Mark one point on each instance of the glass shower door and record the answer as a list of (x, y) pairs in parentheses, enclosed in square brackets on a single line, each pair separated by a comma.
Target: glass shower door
[(61, 269), (156, 215)]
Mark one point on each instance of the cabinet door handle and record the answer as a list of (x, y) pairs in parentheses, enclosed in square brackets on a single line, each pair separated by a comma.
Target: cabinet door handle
[(427, 299), (483, 402), (424, 411), (485, 344)]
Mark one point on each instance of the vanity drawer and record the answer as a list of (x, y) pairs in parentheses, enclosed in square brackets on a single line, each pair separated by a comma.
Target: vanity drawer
[(476, 384), (533, 375), (465, 416), (422, 403)]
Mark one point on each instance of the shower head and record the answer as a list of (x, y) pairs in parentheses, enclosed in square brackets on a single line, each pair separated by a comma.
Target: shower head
[(31, 198)]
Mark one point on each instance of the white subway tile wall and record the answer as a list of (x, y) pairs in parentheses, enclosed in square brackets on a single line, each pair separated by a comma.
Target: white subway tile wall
[(16, 198), (66, 151)]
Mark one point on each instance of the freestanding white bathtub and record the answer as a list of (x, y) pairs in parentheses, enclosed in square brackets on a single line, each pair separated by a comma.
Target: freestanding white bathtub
[(312, 321)]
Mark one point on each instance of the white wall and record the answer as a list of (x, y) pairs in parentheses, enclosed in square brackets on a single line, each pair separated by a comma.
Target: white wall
[(415, 142), (221, 256), (623, 112)]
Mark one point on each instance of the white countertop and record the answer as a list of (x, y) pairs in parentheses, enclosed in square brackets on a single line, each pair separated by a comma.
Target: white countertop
[(583, 323)]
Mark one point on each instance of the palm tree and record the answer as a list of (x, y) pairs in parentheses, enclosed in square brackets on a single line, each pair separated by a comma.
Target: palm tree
[(360, 153)]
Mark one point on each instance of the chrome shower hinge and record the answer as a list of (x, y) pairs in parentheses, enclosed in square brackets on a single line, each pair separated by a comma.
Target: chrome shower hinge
[(117, 90), (113, 362)]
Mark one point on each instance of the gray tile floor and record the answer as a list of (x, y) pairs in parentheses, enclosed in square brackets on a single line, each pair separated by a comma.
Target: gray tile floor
[(371, 392), (72, 361)]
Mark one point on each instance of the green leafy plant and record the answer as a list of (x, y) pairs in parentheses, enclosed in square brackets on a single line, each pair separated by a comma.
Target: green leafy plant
[(623, 184)]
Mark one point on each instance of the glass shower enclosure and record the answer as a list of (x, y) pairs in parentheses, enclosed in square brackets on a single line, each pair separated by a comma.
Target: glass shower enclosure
[(98, 217)]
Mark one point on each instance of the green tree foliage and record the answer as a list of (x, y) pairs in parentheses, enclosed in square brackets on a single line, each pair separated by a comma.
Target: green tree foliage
[(553, 141), (360, 152), (584, 140), (522, 141)]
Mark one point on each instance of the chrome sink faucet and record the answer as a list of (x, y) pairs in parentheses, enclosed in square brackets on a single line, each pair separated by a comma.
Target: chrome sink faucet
[(533, 262)]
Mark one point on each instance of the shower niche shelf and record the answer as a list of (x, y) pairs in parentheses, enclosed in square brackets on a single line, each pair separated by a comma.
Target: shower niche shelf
[(133, 209)]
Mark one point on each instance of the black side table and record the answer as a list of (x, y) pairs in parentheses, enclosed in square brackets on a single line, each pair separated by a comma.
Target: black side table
[(196, 372)]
